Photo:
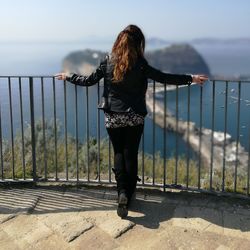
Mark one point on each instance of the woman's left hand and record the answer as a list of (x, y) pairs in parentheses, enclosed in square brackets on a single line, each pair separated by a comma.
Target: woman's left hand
[(200, 79)]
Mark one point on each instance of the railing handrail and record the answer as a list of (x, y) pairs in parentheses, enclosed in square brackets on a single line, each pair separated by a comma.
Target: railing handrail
[(52, 76)]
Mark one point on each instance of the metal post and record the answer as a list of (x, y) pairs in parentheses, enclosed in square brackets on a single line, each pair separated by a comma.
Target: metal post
[(212, 138), (188, 134), (65, 130), (1, 145), (143, 175), (109, 161), (164, 138), (44, 127), (237, 140), (11, 131), (87, 130), (55, 126), (200, 139), (32, 126), (22, 132), (76, 132), (176, 135), (98, 134), (248, 169), (224, 144), (153, 133)]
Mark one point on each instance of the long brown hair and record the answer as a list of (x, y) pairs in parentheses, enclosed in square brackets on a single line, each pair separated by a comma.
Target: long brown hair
[(129, 45)]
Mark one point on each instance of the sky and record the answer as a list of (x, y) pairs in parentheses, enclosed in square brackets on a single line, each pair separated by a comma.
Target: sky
[(79, 20)]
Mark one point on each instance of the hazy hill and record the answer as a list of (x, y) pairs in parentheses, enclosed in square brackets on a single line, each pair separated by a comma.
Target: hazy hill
[(151, 42), (83, 62), (178, 59), (174, 59)]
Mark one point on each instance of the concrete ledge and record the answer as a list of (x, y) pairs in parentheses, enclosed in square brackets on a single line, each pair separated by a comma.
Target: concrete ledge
[(69, 216)]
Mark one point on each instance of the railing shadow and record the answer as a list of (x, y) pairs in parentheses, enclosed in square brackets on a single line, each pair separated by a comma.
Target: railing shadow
[(150, 209), (222, 211)]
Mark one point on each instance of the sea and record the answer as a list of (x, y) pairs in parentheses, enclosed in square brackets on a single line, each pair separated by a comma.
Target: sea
[(46, 59)]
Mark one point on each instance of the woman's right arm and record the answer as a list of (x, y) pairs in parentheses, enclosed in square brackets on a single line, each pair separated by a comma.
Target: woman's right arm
[(82, 80)]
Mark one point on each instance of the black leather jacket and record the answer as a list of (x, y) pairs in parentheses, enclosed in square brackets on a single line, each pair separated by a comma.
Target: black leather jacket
[(131, 91)]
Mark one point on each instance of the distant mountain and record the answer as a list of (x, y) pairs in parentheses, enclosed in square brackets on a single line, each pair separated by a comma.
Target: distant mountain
[(216, 41), (175, 59), (157, 42), (181, 58), (154, 42), (83, 62)]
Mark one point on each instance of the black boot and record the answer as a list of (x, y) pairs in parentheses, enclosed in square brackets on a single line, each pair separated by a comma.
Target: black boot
[(122, 209), (132, 189)]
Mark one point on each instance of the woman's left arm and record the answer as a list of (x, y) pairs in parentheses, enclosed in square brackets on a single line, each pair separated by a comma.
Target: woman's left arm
[(176, 79), (82, 80)]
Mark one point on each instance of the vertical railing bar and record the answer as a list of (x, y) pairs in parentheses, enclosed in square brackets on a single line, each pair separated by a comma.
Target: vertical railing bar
[(153, 133), (248, 169), (224, 144), (98, 134), (76, 133), (212, 138), (176, 134), (87, 129), (44, 127), (164, 138), (65, 130), (1, 145), (200, 135), (32, 125), (11, 131), (143, 175), (22, 132), (237, 137), (55, 128), (109, 160), (188, 134), (142, 167)]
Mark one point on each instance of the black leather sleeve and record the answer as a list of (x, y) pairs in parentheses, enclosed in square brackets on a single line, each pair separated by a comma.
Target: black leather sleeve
[(159, 76), (90, 80)]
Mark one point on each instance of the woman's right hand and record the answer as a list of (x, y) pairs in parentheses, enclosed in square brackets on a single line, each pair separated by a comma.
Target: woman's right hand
[(200, 79), (61, 76)]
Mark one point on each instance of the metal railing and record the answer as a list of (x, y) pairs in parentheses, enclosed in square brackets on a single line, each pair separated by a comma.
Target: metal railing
[(31, 156)]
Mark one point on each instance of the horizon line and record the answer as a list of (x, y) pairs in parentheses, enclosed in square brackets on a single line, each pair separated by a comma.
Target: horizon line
[(110, 39)]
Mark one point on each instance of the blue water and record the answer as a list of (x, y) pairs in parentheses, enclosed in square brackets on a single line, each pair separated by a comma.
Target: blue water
[(46, 59), (205, 108)]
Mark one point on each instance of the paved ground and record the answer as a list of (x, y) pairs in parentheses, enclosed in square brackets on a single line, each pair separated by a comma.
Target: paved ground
[(60, 217)]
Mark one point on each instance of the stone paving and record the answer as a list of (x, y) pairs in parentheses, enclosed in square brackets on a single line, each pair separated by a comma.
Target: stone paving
[(69, 217)]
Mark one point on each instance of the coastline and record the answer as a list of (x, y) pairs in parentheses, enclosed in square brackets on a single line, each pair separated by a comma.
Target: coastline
[(191, 134)]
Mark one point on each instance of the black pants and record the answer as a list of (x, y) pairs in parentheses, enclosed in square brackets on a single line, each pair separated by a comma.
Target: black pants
[(125, 141)]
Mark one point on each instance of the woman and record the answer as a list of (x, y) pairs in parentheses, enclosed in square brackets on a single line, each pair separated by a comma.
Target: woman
[(125, 74)]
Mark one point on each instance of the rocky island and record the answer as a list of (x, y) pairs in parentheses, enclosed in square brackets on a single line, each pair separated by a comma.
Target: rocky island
[(174, 59)]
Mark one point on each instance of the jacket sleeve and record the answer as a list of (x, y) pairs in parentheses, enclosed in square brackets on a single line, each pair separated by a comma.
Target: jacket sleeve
[(90, 80), (159, 76)]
